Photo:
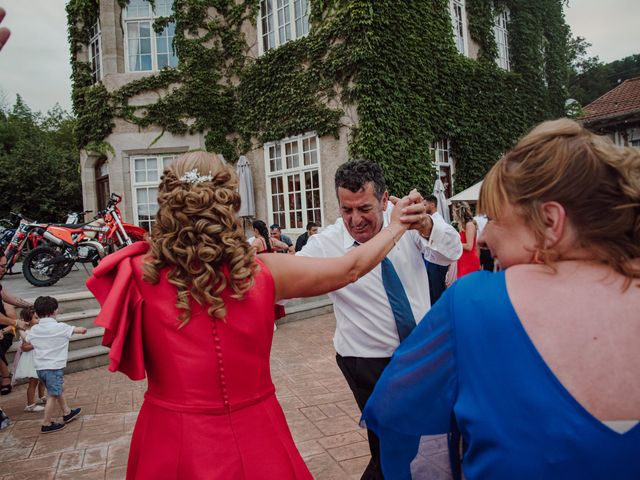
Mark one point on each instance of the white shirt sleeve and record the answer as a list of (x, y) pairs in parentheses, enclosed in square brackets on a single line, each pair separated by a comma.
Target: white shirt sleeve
[(313, 248), (68, 331), (443, 246)]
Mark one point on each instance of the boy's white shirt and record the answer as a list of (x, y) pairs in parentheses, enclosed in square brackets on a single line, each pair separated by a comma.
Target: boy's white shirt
[(50, 341)]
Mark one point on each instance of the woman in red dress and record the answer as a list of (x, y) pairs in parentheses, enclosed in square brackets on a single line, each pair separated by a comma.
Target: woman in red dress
[(469, 261), (193, 309)]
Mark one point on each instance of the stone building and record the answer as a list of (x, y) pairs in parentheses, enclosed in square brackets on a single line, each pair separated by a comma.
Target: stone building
[(293, 175)]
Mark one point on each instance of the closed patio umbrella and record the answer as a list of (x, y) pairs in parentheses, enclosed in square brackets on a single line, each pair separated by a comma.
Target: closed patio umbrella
[(245, 188), (438, 192)]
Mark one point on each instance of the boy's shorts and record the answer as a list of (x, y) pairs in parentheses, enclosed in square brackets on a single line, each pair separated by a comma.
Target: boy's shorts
[(52, 380)]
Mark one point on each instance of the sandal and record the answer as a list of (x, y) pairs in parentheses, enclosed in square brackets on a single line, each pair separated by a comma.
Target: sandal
[(6, 389)]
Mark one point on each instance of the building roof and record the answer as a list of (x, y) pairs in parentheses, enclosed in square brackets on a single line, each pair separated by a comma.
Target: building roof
[(623, 100)]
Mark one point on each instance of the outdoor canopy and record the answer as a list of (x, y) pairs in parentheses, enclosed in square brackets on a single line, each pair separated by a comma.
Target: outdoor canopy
[(471, 194)]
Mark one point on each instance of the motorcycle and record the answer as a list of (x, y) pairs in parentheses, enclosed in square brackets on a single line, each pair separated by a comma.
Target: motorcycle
[(85, 243), (25, 238)]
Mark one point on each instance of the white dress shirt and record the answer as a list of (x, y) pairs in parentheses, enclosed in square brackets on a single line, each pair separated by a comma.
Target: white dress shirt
[(50, 341), (365, 325)]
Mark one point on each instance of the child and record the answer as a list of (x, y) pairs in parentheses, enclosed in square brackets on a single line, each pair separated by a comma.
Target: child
[(25, 367), (50, 341)]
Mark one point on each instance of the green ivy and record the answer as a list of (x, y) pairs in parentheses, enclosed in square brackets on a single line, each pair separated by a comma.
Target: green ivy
[(397, 65)]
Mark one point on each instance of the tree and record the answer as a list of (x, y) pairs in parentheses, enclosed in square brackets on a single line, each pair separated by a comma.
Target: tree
[(39, 163), (589, 78)]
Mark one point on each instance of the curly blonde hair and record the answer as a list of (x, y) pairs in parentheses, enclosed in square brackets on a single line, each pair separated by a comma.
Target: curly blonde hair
[(597, 183), (198, 236), (462, 214)]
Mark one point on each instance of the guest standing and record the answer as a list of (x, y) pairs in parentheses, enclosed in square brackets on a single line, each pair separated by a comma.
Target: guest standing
[(539, 363), (469, 261)]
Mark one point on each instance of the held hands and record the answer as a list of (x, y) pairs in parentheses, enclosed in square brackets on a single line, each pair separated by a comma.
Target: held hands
[(412, 213)]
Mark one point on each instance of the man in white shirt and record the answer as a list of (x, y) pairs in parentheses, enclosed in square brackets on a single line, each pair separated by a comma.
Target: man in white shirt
[(368, 325)]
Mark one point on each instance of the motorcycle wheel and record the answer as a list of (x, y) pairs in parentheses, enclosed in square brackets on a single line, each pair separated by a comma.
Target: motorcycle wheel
[(39, 275)]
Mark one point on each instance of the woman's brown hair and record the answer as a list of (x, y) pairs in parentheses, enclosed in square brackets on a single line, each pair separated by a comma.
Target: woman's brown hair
[(462, 214), (197, 234), (596, 182)]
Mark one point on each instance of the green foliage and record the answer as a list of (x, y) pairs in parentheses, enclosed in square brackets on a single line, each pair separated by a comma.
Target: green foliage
[(39, 161), (397, 65)]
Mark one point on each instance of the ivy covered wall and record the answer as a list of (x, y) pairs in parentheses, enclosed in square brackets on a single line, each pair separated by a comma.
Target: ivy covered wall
[(395, 62)]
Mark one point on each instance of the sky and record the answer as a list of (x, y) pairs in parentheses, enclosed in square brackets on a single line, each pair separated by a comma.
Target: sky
[(35, 62)]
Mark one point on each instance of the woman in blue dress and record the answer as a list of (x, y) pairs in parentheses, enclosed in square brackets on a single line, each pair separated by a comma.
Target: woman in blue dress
[(538, 365)]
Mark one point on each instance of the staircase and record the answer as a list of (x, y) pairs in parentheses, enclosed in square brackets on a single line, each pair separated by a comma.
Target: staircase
[(85, 351)]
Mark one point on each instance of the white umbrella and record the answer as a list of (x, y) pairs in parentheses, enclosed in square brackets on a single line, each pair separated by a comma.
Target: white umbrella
[(245, 188), (471, 194), (438, 192)]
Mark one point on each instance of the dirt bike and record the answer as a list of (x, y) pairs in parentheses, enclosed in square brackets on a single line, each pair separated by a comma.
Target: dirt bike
[(86, 243), (26, 237)]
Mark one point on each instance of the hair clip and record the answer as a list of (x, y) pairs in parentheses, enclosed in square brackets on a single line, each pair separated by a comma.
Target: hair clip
[(193, 176)]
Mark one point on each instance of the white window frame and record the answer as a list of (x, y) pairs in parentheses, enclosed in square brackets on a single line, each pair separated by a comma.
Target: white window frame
[(290, 6), (443, 145), (135, 185), (456, 22), (284, 172), (150, 17), (501, 33), (95, 46)]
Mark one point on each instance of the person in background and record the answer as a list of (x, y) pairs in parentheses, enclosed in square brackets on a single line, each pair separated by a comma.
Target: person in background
[(276, 233), (50, 341), (540, 361), (262, 242), (25, 366), (312, 229), (486, 260), (8, 318), (469, 261), (380, 310), (437, 273)]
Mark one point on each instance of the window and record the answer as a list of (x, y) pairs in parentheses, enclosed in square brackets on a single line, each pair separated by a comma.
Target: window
[(457, 11), (445, 165), (502, 39), (281, 21), (145, 178), (148, 50), (635, 143), (95, 53), (293, 182), (102, 184)]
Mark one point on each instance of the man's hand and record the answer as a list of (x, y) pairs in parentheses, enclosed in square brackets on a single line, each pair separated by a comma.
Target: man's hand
[(415, 214), (4, 32)]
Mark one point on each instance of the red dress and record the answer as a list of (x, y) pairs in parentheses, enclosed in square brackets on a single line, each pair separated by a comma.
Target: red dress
[(210, 410), (469, 262)]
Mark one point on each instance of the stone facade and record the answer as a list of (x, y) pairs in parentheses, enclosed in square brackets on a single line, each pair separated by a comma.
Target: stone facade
[(129, 140)]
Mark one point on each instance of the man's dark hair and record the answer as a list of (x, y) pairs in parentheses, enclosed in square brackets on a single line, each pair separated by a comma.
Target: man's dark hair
[(310, 225), (432, 199), (275, 225), (354, 175), (45, 306)]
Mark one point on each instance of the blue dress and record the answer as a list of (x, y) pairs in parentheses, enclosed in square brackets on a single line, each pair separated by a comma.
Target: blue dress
[(471, 356)]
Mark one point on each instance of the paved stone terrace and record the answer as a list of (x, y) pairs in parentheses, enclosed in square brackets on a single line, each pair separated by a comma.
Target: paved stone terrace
[(318, 404)]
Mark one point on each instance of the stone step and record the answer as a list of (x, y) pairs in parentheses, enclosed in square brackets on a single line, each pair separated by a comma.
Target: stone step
[(92, 338), (307, 308), (87, 358), (83, 318), (74, 302)]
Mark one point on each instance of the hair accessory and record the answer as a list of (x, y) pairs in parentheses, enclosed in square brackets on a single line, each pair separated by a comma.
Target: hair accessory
[(193, 176)]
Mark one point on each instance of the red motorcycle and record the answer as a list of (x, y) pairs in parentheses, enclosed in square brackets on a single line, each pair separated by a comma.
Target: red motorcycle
[(84, 243), (25, 237)]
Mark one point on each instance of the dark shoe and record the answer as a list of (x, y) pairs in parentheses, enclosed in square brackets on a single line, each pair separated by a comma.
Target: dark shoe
[(6, 389), (71, 415), (52, 427)]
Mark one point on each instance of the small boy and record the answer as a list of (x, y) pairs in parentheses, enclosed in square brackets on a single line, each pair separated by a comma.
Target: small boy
[(50, 341)]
